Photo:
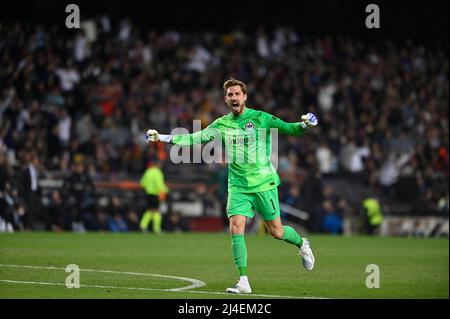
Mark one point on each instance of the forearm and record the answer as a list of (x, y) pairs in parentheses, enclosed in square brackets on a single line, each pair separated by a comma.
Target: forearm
[(166, 138), (295, 129), (195, 138), (180, 139), (184, 139), (206, 135)]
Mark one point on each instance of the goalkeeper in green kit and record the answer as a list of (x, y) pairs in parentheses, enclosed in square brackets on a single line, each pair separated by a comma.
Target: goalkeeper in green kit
[(252, 179)]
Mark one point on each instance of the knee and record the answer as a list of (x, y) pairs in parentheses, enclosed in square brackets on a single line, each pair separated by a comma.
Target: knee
[(277, 232), (236, 228)]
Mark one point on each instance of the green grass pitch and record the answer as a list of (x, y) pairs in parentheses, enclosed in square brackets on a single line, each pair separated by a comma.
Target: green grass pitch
[(409, 268)]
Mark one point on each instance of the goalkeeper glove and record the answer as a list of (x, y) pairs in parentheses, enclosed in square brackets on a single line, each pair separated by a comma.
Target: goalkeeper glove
[(154, 136), (308, 120)]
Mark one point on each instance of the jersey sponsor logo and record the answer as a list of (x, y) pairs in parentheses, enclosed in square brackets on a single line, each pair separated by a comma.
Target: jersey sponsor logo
[(241, 140), (249, 126)]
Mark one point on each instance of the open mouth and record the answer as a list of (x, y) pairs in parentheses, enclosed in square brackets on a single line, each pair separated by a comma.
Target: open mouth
[(235, 105)]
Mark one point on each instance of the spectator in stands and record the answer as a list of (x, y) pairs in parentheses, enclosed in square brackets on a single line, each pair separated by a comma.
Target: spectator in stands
[(6, 208), (293, 196), (427, 203), (56, 212), (78, 188), (117, 223), (18, 210), (132, 220), (4, 171), (313, 194), (30, 191), (332, 223), (349, 218), (116, 206), (12, 208), (102, 220), (325, 159), (443, 205), (5, 199), (391, 170), (175, 222), (117, 215)]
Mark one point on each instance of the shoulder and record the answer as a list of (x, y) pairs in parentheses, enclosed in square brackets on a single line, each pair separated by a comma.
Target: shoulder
[(253, 111), (219, 120), (261, 114)]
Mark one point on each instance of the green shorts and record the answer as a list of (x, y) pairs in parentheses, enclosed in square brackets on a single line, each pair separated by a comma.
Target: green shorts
[(265, 203)]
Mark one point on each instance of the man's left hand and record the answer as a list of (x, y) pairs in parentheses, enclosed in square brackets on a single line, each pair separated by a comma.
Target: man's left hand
[(309, 120)]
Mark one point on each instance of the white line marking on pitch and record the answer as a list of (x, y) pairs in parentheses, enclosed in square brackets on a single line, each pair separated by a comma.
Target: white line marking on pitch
[(195, 283), (155, 289)]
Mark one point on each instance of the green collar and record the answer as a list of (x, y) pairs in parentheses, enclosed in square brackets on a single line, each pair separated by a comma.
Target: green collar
[(246, 110)]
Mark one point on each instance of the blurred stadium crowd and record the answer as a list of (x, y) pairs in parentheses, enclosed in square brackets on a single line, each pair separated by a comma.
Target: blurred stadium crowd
[(80, 101)]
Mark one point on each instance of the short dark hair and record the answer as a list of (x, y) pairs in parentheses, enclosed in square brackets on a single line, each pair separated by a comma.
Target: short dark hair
[(233, 82)]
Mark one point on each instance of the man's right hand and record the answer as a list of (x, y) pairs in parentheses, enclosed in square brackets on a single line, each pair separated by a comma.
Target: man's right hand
[(152, 136)]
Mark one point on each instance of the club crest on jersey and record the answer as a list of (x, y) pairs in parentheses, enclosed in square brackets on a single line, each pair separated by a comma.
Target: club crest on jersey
[(249, 126)]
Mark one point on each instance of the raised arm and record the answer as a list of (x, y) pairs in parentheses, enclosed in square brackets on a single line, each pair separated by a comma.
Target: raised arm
[(297, 128), (203, 136)]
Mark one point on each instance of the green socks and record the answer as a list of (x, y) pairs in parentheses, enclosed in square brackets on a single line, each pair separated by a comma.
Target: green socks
[(147, 217), (292, 237), (239, 251), (157, 221)]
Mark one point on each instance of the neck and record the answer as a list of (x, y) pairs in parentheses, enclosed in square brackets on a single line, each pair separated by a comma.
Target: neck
[(238, 114)]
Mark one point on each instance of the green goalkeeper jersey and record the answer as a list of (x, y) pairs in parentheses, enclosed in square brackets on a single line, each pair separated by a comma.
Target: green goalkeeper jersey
[(248, 144)]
